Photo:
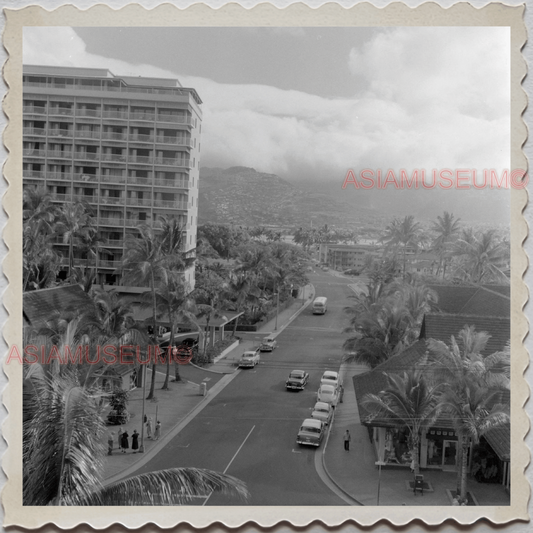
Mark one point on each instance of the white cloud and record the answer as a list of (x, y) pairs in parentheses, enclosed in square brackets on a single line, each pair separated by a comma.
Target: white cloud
[(436, 98)]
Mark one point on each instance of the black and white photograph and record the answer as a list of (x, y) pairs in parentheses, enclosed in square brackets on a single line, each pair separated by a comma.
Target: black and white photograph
[(269, 266)]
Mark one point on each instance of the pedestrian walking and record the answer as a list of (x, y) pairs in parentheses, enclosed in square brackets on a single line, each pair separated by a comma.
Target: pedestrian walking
[(347, 439), (110, 442), (135, 441), (120, 437), (149, 427), (157, 432), (125, 442)]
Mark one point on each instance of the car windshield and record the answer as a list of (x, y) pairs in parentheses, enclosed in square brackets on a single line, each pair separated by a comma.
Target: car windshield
[(296, 375), (310, 429), (321, 410)]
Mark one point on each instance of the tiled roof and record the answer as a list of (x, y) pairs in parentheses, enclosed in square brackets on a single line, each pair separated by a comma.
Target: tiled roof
[(493, 300), (41, 305), (442, 326), (374, 381)]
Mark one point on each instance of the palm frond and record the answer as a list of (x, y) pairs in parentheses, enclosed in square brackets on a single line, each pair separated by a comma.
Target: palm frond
[(173, 486)]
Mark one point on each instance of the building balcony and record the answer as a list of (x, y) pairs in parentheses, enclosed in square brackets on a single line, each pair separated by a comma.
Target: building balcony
[(169, 204), (32, 152), (60, 133), (90, 199), (61, 197), (140, 159), (117, 158), (57, 154), (171, 184), (149, 117), (33, 131), (87, 156), (114, 222), (112, 179), (34, 174), (175, 119), (113, 136), (111, 200), (173, 162), (174, 141), (91, 113), (60, 111), (35, 110), (141, 138), (139, 201), (87, 134), (135, 222), (106, 263)]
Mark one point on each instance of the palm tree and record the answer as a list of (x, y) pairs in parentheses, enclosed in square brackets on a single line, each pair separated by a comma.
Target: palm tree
[(74, 221), (404, 234), (143, 263), (408, 400), (483, 257), (472, 383), (40, 262), (63, 454), (174, 300), (447, 229)]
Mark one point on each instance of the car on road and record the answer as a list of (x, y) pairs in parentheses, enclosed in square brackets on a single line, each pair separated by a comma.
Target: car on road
[(329, 377), (311, 432), (352, 272), (269, 344), (249, 359), (322, 411), (328, 394), (297, 380)]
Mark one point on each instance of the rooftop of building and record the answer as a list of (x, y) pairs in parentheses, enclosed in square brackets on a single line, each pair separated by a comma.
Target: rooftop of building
[(127, 83)]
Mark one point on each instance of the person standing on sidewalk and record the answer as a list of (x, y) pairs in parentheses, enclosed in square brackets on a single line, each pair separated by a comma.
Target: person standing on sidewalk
[(149, 427), (120, 437), (347, 439), (125, 442), (135, 441), (157, 432), (110, 442)]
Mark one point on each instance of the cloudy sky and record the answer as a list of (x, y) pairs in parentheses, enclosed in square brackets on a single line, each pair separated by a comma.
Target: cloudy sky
[(308, 104)]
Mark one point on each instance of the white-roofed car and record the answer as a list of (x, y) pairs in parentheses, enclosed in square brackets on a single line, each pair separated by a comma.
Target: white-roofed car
[(328, 394), (311, 432), (268, 344), (329, 377), (249, 359), (297, 380), (322, 411)]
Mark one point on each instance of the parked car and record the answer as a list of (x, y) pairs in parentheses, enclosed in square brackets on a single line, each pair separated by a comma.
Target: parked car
[(311, 432), (328, 394), (322, 411), (249, 359), (329, 377), (352, 272), (297, 380), (269, 344)]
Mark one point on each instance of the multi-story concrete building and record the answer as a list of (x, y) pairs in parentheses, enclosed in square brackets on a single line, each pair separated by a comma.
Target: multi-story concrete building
[(127, 146), (347, 256)]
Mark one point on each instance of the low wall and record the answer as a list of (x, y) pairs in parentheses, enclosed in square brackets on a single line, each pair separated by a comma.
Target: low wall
[(269, 316)]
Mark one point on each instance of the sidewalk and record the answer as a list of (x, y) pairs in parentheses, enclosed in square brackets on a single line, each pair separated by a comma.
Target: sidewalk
[(356, 474), (178, 405)]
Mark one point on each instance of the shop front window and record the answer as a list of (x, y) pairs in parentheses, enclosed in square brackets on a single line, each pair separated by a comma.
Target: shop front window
[(397, 447)]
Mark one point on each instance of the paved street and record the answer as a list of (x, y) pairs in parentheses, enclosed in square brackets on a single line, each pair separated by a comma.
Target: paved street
[(249, 429)]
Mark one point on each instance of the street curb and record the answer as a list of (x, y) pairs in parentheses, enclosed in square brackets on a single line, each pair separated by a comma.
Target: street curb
[(148, 456), (342, 373), (217, 388)]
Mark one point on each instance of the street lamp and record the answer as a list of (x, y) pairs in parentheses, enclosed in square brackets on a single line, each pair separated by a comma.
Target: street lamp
[(141, 448), (277, 309)]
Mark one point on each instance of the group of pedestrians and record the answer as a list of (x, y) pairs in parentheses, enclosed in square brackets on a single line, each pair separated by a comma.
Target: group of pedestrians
[(123, 437)]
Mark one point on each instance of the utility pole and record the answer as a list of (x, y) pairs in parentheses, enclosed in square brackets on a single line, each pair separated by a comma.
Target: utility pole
[(141, 448), (277, 308)]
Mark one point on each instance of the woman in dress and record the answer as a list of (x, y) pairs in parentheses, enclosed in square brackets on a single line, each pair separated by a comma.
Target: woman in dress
[(125, 442), (149, 427), (135, 441), (157, 432), (120, 437)]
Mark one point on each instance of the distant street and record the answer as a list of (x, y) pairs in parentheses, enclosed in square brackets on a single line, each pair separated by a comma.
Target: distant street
[(249, 430)]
